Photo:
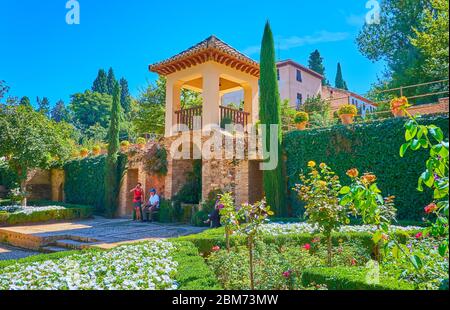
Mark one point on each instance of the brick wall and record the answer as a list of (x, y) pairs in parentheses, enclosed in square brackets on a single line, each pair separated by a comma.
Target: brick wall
[(441, 107)]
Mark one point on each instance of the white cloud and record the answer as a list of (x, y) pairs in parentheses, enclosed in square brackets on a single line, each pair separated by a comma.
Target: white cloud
[(296, 41)]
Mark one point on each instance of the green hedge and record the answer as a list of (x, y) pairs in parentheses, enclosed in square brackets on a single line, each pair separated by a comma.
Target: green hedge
[(69, 213), (370, 147), (193, 272), (350, 278), (85, 179), (204, 241)]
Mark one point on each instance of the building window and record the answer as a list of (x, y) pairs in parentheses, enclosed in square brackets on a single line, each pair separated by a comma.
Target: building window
[(278, 74), (299, 100), (299, 75)]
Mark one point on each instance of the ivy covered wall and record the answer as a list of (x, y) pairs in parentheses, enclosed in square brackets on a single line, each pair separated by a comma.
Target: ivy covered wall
[(84, 183), (370, 147)]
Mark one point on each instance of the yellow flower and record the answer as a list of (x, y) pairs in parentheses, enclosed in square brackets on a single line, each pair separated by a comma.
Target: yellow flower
[(323, 165), (322, 183), (315, 173), (353, 173), (311, 164)]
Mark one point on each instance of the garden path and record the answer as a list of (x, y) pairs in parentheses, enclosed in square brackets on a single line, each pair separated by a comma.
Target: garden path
[(97, 232)]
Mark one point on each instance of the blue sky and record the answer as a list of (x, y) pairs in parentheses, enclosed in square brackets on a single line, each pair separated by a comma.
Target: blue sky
[(41, 55)]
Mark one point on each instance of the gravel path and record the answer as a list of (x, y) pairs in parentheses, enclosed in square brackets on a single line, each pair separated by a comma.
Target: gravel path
[(9, 252)]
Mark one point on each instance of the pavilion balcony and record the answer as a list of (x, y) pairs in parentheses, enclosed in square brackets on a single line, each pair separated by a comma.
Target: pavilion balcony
[(188, 117)]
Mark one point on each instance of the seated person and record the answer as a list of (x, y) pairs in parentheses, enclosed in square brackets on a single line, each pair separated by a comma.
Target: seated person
[(214, 216), (152, 205)]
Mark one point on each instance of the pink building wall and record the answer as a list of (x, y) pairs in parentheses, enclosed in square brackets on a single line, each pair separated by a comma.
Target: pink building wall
[(309, 86)]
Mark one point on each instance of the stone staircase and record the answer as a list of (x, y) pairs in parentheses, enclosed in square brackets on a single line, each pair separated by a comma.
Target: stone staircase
[(68, 243)]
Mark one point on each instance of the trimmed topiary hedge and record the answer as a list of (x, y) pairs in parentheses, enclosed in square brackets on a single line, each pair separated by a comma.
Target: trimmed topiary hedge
[(370, 147), (350, 278), (85, 179), (70, 212), (193, 272), (204, 241)]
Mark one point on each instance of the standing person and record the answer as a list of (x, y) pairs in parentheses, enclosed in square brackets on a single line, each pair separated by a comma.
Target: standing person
[(138, 198), (153, 205)]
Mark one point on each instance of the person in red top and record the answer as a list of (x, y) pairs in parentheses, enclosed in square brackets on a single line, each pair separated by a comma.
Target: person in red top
[(138, 198)]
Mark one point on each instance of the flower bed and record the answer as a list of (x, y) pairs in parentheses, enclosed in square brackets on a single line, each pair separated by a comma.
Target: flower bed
[(12, 214), (156, 265), (144, 266)]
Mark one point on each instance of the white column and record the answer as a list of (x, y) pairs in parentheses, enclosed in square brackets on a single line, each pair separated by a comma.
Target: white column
[(211, 96), (173, 98)]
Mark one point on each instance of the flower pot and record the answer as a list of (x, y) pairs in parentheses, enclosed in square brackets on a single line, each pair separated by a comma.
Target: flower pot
[(347, 119), (302, 125), (84, 154), (398, 112)]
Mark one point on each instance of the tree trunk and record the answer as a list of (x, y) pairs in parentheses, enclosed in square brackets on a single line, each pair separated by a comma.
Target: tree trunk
[(329, 247), (23, 189), (227, 239), (250, 252)]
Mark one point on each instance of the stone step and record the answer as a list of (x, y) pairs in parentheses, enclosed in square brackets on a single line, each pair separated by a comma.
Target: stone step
[(72, 244), (52, 249)]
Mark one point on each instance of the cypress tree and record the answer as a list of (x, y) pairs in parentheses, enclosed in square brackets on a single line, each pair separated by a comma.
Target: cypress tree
[(270, 113), (43, 106), (112, 178), (25, 101), (315, 63), (111, 82), (339, 82), (125, 98), (100, 84)]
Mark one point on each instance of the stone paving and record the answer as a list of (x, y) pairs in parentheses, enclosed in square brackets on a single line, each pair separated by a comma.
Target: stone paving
[(100, 232), (10, 252)]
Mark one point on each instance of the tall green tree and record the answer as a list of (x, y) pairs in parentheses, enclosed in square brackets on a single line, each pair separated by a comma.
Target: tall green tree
[(270, 113), (339, 81), (43, 106), (29, 140), (4, 88), (59, 112), (100, 84), (90, 108), (390, 41), (25, 101), (111, 81), (433, 39), (125, 97), (112, 174), (315, 63)]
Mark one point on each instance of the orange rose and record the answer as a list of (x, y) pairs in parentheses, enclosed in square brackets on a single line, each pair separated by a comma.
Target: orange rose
[(369, 178), (353, 173)]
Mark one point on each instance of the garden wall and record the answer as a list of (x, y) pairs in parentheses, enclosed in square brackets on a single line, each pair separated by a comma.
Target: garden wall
[(370, 147), (84, 181)]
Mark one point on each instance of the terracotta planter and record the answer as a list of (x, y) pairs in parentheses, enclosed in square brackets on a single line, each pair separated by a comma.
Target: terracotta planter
[(301, 126), (347, 119), (398, 112)]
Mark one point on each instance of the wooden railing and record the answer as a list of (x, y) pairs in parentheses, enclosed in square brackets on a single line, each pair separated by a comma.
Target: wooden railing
[(234, 116), (186, 116)]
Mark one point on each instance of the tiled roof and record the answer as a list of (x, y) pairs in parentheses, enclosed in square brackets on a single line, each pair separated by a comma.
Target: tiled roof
[(210, 49), (299, 66)]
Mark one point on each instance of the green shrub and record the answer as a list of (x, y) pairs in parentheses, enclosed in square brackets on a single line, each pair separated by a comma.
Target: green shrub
[(301, 117), (350, 278), (192, 271), (207, 239), (199, 218), (370, 147), (70, 212), (85, 179), (348, 109), (166, 212)]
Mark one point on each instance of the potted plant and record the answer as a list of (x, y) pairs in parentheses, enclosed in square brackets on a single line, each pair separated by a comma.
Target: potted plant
[(398, 106), (96, 150), (301, 119), (84, 152), (141, 142), (124, 145), (346, 113)]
